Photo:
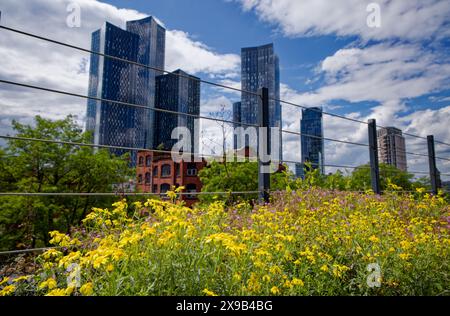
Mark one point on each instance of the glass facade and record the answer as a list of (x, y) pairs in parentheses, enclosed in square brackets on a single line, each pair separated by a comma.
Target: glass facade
[(120, 125), (152, 53), (237, 118), (313, 148), (260, 68), (180, 94)]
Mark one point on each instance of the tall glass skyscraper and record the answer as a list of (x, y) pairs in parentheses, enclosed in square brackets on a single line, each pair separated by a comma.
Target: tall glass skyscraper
[(260, 68), (121, 125), (177, 92), (313, 148), (152, 48), (237, 119)]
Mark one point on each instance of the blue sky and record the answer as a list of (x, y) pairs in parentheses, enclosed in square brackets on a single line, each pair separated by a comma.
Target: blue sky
[(398, 73), (223, 26)]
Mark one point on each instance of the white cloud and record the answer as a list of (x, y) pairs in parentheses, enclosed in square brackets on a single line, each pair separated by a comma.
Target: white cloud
[(412, 19), (194, 57), (382, 72)]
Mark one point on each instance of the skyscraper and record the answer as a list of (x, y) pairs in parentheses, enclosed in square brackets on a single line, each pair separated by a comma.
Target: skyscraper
[(237, 119), (116, 124), (313, 147), (392, 148), (260, 68), (152, 47), (177, 92)]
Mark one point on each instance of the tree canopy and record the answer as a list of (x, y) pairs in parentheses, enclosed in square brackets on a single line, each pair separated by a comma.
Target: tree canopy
[(41, 167)]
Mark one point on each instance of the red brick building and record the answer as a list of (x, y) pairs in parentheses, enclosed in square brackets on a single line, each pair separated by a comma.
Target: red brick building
[(157, 173)]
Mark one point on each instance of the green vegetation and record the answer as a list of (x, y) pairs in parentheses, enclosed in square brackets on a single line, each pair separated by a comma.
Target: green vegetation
[(243, 176), (312, 242), (38, 167)]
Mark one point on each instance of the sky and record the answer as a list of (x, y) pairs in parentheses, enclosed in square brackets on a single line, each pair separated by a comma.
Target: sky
[(397, 73)]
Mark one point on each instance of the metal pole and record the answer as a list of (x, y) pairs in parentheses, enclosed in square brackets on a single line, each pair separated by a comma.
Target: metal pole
[(432, 162), (264, 132), (373, 150)]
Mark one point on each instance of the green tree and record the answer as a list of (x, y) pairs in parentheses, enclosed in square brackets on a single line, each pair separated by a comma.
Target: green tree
[(236, 177), (361, 178), (41, 167)]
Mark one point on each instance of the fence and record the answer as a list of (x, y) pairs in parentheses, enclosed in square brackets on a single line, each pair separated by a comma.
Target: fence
[(263, 120)]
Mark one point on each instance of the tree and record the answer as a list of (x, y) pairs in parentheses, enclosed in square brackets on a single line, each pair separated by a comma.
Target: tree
[(40, 167), (361, 178), (236, 177)]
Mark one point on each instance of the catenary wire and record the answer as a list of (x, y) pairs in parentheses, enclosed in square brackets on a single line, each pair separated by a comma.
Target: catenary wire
[(122, 193), (121, 103), (113, 147), (186, 76), (324, 138)]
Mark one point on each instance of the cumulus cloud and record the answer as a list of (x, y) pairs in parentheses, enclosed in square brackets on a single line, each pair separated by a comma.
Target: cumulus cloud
[(194, 57), (386, 74), (39, 63), (399, 19), (381, 72)]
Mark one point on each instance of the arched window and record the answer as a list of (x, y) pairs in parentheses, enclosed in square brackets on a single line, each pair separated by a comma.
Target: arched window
[(165, 171), (141, 161), (148, 178), (164, 188), (148, 161), (155, 172), (140, 179)]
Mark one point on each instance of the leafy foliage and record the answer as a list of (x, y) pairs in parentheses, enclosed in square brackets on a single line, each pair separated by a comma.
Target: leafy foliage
[(236, 177), (41, 167)]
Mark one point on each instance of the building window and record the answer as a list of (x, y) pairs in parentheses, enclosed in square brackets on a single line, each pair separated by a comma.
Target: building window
[(148, 161), (148, 178), (155, 188), (191, 188), (140, 179), (164, 188), (192, 170), (141, 161), (155, 172), (165, 171)]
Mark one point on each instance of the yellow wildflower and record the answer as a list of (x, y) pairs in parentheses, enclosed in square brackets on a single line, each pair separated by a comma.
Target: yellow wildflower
[(297, 282), (275, 290), (209, 293), (5, 279), (404, 256), (87, 289), (57, 292), (50, 283), (22, 278), (7, 290)]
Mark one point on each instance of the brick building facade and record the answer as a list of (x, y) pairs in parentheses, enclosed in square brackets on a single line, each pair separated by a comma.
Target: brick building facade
[(157, 173)]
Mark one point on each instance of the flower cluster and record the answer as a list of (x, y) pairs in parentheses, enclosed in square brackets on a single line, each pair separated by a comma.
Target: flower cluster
[(313, 242)]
